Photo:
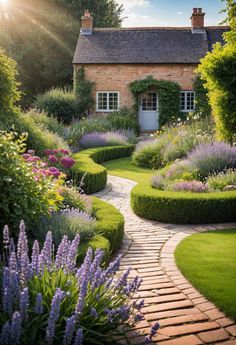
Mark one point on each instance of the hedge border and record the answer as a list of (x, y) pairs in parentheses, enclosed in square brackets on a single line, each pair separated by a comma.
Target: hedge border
[(87, 166), (183, 208), (109, 229)]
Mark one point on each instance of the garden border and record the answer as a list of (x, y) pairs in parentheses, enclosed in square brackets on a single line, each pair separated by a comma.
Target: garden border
[(87, 169), (109, 229), (183, 208)]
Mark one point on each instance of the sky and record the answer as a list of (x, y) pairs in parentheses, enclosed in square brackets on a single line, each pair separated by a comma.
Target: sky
[(169, 12)]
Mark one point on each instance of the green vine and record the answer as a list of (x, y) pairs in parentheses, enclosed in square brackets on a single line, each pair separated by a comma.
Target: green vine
[(83, 91), (168, 94)]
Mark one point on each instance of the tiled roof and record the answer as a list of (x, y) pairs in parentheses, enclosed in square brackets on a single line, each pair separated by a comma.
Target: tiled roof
[(146, 45)]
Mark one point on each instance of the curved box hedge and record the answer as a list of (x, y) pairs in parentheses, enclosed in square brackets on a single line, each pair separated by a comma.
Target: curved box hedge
[(88, 170), (109, 230), (183, 208)]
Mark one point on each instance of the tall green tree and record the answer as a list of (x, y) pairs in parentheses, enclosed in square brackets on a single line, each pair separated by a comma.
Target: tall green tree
[(218, 69), (41, 36)]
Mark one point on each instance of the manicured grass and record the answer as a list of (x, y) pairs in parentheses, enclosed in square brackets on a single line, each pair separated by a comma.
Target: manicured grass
[(124, 168), (208, 261)]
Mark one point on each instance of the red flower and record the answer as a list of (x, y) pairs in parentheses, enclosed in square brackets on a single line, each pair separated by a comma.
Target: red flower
[(67, 162)]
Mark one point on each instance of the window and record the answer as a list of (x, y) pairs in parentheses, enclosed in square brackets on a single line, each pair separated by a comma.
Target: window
[(107, 101), (149, 101), (187, 101)]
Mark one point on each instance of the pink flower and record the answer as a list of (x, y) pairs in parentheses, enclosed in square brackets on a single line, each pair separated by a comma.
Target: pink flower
[(35, 158), (55, 151), (54, 172), (65, 152), (48, 152), (53, 159), (67, 162)]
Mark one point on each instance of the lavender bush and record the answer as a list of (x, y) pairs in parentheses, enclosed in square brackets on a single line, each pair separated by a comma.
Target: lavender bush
[(190, 186), (46, 299), (158, 182), (68, 222), (98, 139), (211, 158)]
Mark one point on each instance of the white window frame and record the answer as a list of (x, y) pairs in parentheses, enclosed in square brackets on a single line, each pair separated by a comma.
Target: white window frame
[(107, 110), (185, 92)]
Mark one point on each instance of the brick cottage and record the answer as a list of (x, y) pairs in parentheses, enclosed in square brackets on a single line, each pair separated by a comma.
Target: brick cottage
[(113, 58)]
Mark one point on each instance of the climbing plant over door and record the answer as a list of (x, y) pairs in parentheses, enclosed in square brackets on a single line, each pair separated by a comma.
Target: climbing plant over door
[(168, 93)]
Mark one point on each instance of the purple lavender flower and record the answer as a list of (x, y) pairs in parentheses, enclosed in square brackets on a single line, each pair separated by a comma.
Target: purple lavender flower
[(12, 247), (7, 301), (24, 303), (139, 305), (16, 329), (83, 281), (94, 139), (72, 254), (118, 313), (62, 250), (47, 250), (153, 332), (70, 329), (79, 337), (132, 286), (6, 237), (5, 337), (93, 312), (54, 315), (39, 304), (13, 262), (95, 264), (138, 318), (123, 279), (35, 258), (22, 245)]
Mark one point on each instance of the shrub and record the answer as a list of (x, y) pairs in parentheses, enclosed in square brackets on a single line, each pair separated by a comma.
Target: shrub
[(97, 139), (148, 154), (158, 182), (59, 103), (210, 158), (182, 207), (123, 119), (87, 170), (72, 198), (203, 108), (21, 193), (46, 121), (181, 170), (64, 304), (221, 180), (190, 186), (68, 222)]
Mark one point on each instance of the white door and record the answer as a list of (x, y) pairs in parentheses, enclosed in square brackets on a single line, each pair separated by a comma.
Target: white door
[(148, 112)]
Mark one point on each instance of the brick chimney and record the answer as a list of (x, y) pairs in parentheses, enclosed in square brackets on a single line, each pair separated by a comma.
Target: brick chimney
[(86, 23), (197, 19)]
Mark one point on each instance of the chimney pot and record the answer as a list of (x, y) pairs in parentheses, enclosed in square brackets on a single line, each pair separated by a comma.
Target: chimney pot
[(86, 23), (197, 19)]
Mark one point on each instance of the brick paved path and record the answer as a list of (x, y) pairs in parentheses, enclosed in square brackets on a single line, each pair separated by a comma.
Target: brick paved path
[(185, 316)]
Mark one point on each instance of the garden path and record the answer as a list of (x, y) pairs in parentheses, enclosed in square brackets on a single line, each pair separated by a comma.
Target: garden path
[(185, 316)]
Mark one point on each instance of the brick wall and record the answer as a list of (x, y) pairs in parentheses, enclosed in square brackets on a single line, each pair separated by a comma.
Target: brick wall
[(117, 77)]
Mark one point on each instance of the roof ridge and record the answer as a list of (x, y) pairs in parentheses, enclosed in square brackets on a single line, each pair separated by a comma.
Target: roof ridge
[(222, 27)]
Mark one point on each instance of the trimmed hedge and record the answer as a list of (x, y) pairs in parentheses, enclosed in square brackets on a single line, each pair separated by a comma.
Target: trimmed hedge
[(87, 166), (183, 208), (109, 229)]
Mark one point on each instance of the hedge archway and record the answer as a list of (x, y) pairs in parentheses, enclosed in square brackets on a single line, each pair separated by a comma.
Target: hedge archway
[(168, 93)]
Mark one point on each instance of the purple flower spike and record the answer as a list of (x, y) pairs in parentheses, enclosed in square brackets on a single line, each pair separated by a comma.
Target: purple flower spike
[(5, 337), (62, 252), (54, 315), (79, 337), (153, 332), (24, 303), (16, 322), (93, 313), (70, 329), (22, 245), (6, 238), (72, 255), (39, 304), (35, 258), (13, 262)]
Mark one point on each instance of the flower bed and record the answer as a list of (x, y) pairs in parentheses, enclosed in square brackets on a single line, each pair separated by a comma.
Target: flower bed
[(87, 169), (183, 207)]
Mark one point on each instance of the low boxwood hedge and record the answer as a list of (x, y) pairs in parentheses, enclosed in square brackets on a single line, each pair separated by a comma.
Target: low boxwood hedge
[(183, 208), (109, 229), (87, 166)]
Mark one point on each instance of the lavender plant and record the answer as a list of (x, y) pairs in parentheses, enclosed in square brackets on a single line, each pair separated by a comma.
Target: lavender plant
[(46, 299), (212, 158), (110, 138), (190, 186), (68, 222)]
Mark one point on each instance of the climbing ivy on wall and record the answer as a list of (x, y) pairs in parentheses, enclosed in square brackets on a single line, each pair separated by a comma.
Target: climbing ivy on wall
[(168, 95), (83, 91)]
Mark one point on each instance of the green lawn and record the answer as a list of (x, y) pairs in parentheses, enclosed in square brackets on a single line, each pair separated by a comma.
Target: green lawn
[(122, 167), (208, 261)]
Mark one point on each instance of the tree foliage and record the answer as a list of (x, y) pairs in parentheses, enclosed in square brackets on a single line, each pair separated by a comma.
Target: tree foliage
[(41, 36), (203, 108), (218, 69)]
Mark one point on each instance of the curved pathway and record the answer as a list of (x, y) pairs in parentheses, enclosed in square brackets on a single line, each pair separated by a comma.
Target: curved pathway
[(185, 316)]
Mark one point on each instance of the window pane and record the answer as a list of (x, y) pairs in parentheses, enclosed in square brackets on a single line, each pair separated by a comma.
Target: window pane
[(149, 101), (102, 101), (113, 101)]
